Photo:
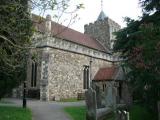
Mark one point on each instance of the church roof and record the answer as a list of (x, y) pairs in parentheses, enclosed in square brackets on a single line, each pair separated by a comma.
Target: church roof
[(109, 73), (101, 16), (105, 73), (60, 31)]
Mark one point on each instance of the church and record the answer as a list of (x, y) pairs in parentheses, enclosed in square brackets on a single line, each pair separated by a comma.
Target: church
[(62, 59)]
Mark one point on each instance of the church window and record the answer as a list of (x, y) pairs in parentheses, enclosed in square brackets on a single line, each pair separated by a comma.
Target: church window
[(104, 87), (86, 77), (34, 74)]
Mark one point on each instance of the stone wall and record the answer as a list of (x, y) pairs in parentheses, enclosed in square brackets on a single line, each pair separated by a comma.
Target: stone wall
[(42, 41), (37, 58), (60, 75), (66, 73), (100, 31)]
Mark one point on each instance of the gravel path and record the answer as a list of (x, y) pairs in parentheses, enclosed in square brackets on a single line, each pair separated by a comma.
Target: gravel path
[(48, 110)]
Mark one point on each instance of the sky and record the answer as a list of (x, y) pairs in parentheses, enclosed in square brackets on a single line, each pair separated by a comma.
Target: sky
[(114, 9)]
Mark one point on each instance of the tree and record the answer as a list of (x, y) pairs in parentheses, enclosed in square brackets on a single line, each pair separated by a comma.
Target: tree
[(16, 34), (139, 45)]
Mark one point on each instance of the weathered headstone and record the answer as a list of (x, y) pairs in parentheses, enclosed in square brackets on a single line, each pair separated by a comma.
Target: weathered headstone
[(98, 97), (91, 104), (110, 98), (93, 113)]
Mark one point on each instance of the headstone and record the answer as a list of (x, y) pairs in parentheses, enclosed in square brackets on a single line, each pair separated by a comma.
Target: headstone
[(90, 95), (98, 97), (110, 98)]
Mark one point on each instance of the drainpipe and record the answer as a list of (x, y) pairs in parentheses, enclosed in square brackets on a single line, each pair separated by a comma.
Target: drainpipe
[(90, 77)]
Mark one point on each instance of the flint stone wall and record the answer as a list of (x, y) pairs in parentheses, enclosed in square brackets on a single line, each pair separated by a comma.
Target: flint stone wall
[(102, 30), (66, 73)]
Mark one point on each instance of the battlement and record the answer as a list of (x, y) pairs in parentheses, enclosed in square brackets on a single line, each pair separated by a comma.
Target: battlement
[(102, 30)]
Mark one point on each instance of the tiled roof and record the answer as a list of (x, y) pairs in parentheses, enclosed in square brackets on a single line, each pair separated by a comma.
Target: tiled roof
[(66, 33), (107, 73)]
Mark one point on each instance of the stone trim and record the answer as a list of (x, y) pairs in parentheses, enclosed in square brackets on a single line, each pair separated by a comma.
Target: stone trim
[(40, 41)]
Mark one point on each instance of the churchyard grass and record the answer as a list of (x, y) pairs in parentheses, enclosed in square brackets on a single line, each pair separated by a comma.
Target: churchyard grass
[(77, 113), (14, 113), (137, 112)]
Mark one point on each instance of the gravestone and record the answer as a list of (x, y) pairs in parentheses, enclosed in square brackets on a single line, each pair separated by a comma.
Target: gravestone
[(93, 113), (91, 104), (98, 97), (110, 98)]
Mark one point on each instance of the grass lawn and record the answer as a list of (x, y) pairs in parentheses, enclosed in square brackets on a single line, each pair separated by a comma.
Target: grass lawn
[(136, 113), (14, 113), (77, 113)]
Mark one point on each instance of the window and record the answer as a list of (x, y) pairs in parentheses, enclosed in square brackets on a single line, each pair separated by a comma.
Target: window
[(86, 77), (34, 74), (104, 87)]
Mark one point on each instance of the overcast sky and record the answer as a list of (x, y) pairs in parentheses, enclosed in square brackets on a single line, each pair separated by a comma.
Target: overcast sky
[(114, 9)]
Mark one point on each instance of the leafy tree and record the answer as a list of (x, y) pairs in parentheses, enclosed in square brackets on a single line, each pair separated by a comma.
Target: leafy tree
[(139, 45), (15, 36), (15, 33)]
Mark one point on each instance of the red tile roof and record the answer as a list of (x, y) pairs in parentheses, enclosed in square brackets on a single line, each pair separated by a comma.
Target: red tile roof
[(106, 73), (66, 33)]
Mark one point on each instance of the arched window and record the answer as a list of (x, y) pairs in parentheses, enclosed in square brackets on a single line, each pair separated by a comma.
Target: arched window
[(86, 77), (34, 74)]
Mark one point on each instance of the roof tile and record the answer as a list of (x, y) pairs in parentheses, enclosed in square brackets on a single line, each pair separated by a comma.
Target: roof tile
[(69, 34), (105, 73)]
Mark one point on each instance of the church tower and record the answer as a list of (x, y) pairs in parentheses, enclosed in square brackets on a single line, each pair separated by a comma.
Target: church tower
[(102, 30)]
